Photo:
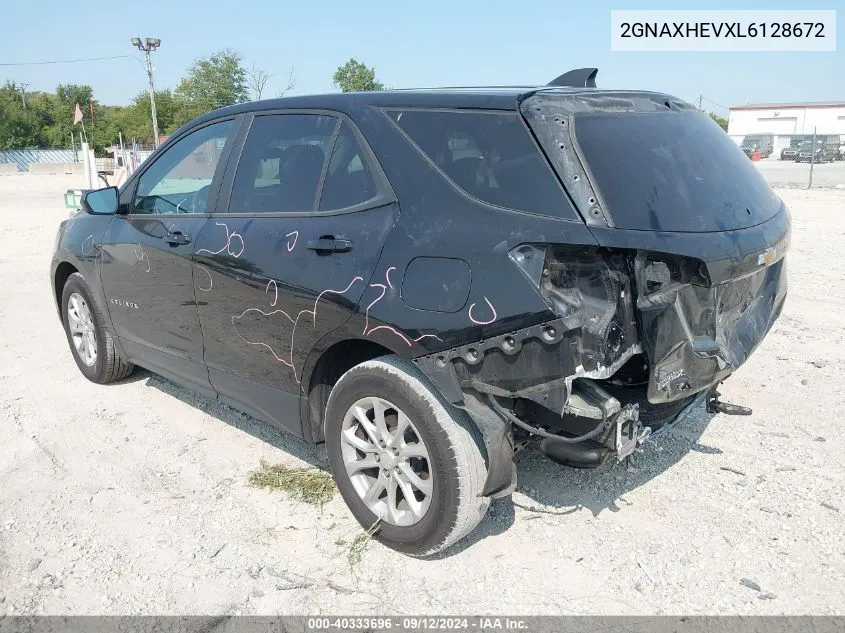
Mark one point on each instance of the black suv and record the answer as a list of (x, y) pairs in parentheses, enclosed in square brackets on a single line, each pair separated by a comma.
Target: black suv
[(763, 143), (422, 281)]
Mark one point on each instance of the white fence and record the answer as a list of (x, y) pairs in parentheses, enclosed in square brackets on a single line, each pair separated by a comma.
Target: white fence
[(25, 157), (790, 160)]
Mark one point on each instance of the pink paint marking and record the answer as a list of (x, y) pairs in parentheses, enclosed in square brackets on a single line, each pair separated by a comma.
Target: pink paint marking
[(419, 338), (141, 255), (336, 292), (289, 363), (90, 248), (210, 280), (394, 330), (387, 276), (243, 246), (368, 330), (476, 321), (228, 245), (291, 245), (275, 292), (312, 312), (375, 301)]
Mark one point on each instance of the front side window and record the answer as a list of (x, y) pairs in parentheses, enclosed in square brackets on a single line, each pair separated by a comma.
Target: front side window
[(281, 164), (490, 155), (179, 181)]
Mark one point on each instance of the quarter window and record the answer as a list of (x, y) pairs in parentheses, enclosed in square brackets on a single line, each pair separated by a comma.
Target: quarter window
[(490, 155), (348, 179), (281, 164), (179, 181)]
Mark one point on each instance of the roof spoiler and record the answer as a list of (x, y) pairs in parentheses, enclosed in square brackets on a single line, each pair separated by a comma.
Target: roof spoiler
[(578, 78)]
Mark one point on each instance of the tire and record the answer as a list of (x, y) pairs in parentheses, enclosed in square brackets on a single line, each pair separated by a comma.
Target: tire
[(455, 464), (106, 365)]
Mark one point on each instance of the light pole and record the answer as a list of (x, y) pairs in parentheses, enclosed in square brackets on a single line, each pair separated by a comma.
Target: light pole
[(147, 46)]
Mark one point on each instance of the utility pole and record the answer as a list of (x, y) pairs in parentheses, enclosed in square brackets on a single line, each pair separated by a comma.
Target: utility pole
[(148, 46), (700, 97), (23, 95), (812, 158)]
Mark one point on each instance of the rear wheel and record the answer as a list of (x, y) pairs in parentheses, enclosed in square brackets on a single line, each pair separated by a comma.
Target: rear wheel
[(91, 344), (404, 460)]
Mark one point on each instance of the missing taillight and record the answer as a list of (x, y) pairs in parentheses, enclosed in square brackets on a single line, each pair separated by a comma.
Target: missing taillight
[(658, 271), (530, 260), (657, 276)]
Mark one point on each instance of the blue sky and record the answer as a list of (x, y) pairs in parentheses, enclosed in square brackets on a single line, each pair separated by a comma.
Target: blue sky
[(428, 43)]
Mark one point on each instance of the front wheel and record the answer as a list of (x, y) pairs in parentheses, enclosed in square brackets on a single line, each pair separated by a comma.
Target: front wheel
[(404, 460), (91, 343)]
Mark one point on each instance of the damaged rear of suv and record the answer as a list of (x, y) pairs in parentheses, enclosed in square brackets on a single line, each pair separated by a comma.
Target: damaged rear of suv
[(616, 326)]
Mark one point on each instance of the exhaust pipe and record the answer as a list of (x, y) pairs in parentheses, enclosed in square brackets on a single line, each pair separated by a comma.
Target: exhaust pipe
[(582, 455)]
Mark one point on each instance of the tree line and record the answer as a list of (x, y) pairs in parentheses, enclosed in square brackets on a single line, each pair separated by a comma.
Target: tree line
[(45, 119)]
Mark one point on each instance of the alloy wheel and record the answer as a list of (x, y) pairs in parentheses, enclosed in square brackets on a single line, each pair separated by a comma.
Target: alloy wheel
[(81, 324), (387, 461)]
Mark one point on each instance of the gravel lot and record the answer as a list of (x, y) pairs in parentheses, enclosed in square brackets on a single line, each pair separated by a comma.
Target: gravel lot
[(133, 498)]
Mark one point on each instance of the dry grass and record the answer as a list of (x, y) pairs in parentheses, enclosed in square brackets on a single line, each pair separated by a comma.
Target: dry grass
[(303, 484), (356, 549)]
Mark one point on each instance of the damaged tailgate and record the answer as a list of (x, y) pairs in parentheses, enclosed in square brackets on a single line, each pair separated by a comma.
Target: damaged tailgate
[(704, 237)]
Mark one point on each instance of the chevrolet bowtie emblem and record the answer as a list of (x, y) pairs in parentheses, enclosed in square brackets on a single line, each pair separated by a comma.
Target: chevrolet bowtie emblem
[(767, 257)]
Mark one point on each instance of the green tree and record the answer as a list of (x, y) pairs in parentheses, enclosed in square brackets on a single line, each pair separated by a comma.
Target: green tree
[(213, 82), (19, 128), (355, 76), (47, 121), (722, 121), (61, 110)]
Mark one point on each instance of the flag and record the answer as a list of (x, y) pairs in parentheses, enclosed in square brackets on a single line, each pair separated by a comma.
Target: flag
[(77, 115)]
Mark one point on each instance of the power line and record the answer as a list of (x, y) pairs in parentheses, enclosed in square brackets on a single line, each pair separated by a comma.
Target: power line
[(718, 105), (65, 61)]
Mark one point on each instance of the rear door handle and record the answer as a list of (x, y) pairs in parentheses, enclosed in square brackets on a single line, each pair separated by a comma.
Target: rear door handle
[(328, 244), (176, 238)]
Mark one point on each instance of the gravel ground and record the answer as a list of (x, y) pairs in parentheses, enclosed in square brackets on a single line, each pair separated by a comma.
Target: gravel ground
[(133, 498)]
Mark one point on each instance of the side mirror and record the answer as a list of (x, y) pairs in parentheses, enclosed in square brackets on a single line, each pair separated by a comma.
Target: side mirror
[(100, 201)]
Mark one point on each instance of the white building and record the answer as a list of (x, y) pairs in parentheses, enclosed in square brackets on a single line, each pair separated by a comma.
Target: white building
[(780, 119)]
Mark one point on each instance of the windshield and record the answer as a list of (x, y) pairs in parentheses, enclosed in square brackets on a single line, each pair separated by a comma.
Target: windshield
[(672, 171), (753, 141)]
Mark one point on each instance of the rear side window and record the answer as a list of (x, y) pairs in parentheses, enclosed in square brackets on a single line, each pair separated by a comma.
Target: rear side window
[(281, 164), (348, 180), (490, 155)]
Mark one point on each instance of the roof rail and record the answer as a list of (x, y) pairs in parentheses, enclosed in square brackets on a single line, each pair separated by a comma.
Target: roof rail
[(578, 78)]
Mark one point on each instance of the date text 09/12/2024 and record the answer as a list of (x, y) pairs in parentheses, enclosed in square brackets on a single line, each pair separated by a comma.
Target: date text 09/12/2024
[(421, 623)]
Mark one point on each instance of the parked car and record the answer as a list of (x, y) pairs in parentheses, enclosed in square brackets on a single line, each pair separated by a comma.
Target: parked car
[(791, 152), (823, 153), (763, 143), (422, 282)]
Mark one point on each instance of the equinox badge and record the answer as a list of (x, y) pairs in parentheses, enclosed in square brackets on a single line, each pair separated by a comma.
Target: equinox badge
[(125, 304)]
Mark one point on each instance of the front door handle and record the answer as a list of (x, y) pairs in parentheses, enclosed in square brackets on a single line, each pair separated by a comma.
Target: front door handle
[(177, 238), (329, 244)]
